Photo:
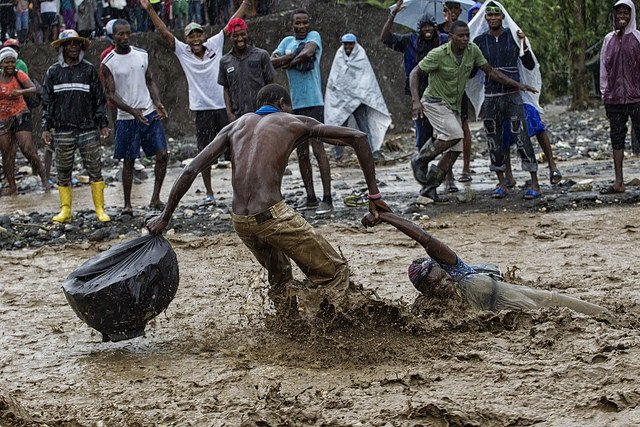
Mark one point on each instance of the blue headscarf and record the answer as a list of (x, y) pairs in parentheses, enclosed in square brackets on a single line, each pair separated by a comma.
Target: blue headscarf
[(476, 7)]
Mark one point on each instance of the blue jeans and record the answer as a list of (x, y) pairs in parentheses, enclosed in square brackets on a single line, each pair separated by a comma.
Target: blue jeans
[(22, 20), (508, 107), (195, 11)]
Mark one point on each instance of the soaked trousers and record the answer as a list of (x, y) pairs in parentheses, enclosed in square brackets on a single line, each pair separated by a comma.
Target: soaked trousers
[(495, 111), (88, 143), (619, 115), (280, 234)]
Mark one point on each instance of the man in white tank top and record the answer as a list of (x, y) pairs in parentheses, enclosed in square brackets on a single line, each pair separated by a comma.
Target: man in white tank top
[(130, 86)]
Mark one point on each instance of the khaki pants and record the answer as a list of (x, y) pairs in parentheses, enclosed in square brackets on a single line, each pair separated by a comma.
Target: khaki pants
[(280, 234)]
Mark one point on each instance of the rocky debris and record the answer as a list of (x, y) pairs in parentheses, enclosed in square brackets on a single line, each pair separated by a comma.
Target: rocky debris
[(575, 135)]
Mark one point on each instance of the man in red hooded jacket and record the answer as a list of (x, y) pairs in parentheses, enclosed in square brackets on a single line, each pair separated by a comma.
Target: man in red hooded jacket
[(620, 83)]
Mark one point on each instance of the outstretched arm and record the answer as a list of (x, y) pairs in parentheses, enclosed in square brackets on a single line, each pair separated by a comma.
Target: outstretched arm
[(186, 178), (159, 24), (436, 249), (338, 135)]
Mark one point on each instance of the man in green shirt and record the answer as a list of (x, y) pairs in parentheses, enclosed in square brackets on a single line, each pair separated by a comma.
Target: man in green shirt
[(449, 67)]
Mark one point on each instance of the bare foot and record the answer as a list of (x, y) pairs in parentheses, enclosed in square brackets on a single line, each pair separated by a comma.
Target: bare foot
[(613, 189), (11, 191), (157, 205)]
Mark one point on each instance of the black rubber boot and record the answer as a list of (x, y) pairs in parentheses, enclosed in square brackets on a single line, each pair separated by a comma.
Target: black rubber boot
[(433, 180), (420, 162)]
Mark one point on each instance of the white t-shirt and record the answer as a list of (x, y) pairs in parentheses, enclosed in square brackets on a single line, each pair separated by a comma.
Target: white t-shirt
[(48, 6), (129, 74), (202, 74)]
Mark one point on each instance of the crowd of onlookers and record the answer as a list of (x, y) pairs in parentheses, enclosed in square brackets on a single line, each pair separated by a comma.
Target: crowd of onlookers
[(40, 21)]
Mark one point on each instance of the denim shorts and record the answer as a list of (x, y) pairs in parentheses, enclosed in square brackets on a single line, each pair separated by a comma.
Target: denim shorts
[(131, 135)]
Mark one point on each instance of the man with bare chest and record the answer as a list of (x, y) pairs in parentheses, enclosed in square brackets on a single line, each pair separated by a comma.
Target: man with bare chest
[(260, 144)]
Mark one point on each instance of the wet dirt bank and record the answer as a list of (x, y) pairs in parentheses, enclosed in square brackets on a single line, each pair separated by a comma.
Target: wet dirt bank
[(214, 358)]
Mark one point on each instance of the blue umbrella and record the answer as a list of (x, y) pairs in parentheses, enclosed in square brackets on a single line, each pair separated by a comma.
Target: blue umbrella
[(416, 9)]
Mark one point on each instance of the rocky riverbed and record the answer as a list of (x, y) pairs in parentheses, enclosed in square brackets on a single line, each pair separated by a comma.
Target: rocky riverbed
[(219, 357)]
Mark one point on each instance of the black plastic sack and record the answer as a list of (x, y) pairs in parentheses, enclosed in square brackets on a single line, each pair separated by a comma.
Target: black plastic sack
[(118, 291)]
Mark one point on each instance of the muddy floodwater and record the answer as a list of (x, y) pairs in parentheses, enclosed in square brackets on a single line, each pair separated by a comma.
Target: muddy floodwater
[(217, 358)]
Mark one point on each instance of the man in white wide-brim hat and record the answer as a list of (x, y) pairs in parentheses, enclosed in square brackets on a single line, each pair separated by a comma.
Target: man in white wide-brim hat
[(69, 35), (73, 112)]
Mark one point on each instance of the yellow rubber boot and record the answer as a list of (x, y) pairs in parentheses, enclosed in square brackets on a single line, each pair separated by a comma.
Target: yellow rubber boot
[(65, 205), (97, 192)]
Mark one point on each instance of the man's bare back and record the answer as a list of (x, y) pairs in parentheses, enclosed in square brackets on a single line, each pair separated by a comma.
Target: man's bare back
[(260, 146)]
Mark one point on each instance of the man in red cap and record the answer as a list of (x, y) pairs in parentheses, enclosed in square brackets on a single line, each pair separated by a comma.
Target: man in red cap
[(200, 61), (243, 72)]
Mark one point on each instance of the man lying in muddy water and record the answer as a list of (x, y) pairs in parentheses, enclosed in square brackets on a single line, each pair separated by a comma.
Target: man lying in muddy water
[(260, 144), (444, 275)]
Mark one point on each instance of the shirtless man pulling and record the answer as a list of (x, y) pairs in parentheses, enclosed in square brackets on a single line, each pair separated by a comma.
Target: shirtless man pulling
[(260, 144)]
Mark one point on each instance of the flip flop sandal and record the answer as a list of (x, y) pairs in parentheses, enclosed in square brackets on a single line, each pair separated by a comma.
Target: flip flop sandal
[(499, 193), (465, 177), (531, 194), (451, 188), (555, 177), (354, 201)]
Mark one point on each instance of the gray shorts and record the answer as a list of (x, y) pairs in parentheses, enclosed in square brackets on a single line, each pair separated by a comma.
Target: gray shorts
[(447, 125)]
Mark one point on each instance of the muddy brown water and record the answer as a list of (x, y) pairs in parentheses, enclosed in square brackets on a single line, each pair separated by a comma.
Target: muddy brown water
[(214, 358)]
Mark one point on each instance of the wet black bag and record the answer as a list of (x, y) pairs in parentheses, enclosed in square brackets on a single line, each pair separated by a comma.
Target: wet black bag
[(118, 291)]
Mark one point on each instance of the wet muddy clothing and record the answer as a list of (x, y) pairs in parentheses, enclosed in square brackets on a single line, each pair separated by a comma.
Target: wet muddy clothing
[(502, 102), (129, 73), (88, 144), (74, 108), (18, 123), (447, 76), (503, 53), (305, 86), (620, 79), (208, 124), (619, 115), (202, 73), (11, 107), (510, 108), (490, 292), (244, 76), (73, 98), (619, 63), (280, 234)]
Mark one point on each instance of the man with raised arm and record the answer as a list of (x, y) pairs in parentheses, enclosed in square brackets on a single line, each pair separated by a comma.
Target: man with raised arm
[(260, 144), (200, 61)]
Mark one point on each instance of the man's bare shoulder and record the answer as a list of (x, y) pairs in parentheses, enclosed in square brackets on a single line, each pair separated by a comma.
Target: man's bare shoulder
[(275, 122)]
